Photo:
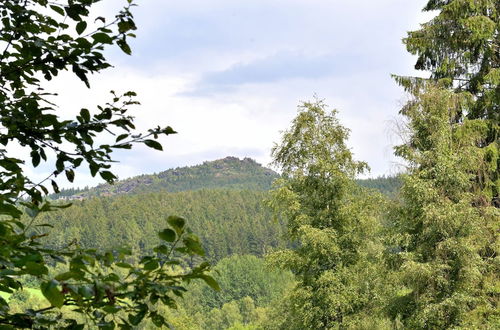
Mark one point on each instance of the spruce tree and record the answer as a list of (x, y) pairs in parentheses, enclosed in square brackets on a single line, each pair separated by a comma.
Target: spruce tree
[(447, 225), (461, 49)]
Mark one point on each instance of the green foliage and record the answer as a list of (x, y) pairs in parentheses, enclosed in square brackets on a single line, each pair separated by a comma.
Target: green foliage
[(248, 287), (228, 221), (387, 185), (447, 227), (332, 222), (227, 173), (239, 277), (460, 48), (39, 40), (461, 43), (92, 284)]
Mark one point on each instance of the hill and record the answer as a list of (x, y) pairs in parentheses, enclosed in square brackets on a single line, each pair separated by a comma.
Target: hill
[(226, 173), (221, 199)]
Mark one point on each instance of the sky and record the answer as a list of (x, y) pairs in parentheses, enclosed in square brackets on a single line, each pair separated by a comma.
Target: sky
[(228, 76)]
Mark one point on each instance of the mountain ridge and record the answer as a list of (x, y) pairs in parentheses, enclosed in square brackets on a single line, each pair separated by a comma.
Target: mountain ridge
[(225, 173)]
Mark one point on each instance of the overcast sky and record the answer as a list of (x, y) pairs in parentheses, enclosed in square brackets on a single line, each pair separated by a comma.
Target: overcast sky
[(228, 75)]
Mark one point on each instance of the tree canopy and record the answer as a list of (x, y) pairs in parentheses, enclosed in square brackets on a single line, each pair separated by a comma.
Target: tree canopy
[(40, 39), (447, 225), (330, 220)]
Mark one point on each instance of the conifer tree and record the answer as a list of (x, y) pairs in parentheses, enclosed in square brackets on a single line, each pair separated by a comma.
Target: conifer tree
[(448, 222), (447, 230), (461, 49)]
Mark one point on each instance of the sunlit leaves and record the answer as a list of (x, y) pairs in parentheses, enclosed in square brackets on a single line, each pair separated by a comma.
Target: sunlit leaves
[(330, 222), (40, 40), (177, 223), (211, 282), (52, 292)]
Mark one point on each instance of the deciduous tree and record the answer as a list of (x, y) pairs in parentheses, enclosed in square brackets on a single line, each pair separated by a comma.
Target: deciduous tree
[(39, 39), (332, 224)]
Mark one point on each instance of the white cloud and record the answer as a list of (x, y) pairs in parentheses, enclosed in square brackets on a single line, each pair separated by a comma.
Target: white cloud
[(342, 50)]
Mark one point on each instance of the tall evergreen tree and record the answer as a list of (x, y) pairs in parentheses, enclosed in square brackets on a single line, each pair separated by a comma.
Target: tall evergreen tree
[(448, 223), (461, 49), (447, 230)]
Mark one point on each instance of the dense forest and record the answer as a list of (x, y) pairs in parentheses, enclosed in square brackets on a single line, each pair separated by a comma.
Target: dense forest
[(226, 207), (227, 221), (230, 244)]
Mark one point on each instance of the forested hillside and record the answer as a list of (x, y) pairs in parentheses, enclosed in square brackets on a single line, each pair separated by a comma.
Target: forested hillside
[(227, 221), (225, 204), (387, 185), (223, 201)]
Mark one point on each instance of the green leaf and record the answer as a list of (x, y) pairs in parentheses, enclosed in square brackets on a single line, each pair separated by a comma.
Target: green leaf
[(102, 37), (124, 46), (94, 168), (52, 293), (111, 309), (157, 319), (123, 146), (151, 265), (65, 276), (169, 130), (60, 163), (108, 176), (70, 175), (136, 319), (55, 186), (163, 249), (81, 73), (61, 206), (193, 244), (80, 27), (210, 281), (9, 209), (123, 265), (167, 235), (58, 10), (36, 269), (85, 115), (121, 137), (177, 223), (10, 164), (86, 292), (124, 26), (35, 158), (153, 144)]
